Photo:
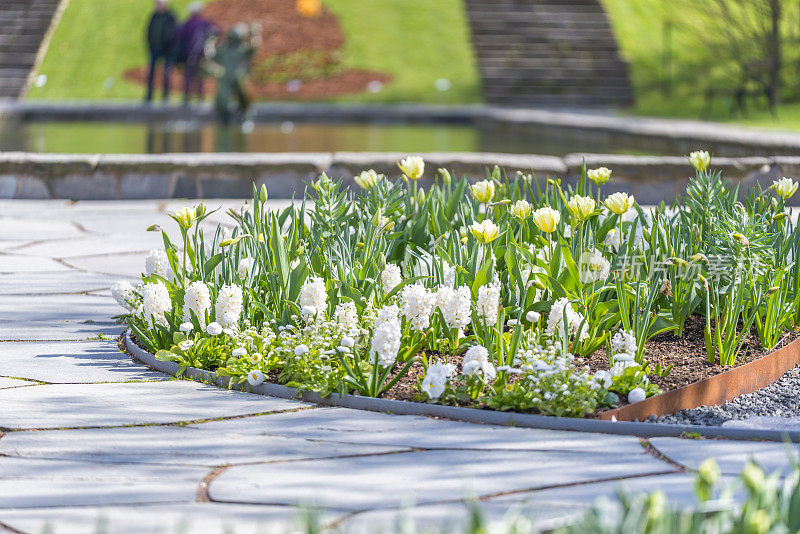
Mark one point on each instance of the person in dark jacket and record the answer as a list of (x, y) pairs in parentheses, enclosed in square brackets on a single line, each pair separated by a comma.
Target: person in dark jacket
[(191, 39), (160, 33)]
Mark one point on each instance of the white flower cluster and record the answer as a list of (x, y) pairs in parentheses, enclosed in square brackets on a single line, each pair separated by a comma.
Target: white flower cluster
[(418, 304), (593, 267), (346, 315), (623, 348), (456, 306), (390, 277), (157, 263), (244, 267), (489, 301), (436, 377), (313, 298), (228, 308), (476, 361), (156, 302), (576, 323), (125, 295), (386, 335), (197, 299)]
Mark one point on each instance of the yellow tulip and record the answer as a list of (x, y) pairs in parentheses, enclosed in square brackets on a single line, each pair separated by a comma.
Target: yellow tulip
[(700, 160), (785, 187), (581, 207), (413, 167), (619, 203), (546, 219), (520, 209), (185, 217), (483, 191), (485, 231), (599, 176), (368, 179)]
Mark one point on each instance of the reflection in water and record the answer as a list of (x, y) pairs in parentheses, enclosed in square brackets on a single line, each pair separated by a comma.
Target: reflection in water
[(194, 136)]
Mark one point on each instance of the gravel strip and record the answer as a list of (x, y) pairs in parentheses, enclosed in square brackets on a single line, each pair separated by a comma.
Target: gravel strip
[(781, 399)]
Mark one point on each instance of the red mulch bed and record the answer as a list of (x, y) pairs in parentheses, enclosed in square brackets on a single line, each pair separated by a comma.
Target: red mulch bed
[(284, 32)]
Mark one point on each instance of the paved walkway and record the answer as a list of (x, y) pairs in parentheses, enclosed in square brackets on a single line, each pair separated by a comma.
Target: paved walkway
[(91, 441)]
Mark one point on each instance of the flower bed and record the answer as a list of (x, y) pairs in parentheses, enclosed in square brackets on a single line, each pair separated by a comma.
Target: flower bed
[(507, 294)]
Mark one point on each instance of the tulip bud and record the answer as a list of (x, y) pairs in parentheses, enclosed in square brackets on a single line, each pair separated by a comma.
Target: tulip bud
[(446, 178), (154, 228), (779, 216), (376, 219), (420, 197), (773, 290), (263, 194)]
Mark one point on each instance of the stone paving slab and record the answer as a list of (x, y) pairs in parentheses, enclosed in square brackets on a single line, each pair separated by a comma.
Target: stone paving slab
[(36, 227), (189, 518), (29, 482), (424, 476), (71, 330), (356, 426), (70, 282), (93, 246), (72, 362), (6, 382), (82, 405), (58, 308), (173, 445), (730, 455), (129, 265), (19, 263)]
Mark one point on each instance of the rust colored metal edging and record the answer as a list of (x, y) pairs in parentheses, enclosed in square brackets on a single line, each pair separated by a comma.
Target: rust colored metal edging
[(468, 415), (716, 389)]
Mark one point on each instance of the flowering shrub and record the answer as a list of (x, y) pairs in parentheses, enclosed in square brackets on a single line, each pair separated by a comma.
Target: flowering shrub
[(494, 294)]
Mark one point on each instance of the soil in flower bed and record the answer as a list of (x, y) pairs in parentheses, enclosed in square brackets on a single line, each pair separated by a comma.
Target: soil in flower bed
[(687, 354), (293, 47)]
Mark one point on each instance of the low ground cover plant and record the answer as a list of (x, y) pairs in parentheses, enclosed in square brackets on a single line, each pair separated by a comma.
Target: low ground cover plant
[(495, 294)]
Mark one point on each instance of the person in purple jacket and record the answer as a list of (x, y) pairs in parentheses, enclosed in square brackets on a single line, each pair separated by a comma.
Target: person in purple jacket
[(191, 39)]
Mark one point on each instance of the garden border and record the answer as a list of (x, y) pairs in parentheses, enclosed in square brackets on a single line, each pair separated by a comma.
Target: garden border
[(469, 415)]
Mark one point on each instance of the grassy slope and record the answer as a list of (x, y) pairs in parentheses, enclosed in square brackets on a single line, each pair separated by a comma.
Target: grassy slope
[(638, 25), (417, 41)]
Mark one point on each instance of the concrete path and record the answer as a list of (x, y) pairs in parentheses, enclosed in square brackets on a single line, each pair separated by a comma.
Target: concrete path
[(93, 442)]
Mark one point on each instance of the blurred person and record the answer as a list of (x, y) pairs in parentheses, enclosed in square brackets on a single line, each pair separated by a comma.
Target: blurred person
[(191, 39), (230, 64), (160, 33)]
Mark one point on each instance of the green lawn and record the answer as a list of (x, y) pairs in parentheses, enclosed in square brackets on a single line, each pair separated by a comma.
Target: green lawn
[(417, 41)]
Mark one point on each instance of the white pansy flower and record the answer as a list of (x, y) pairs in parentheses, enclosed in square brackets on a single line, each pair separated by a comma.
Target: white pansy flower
[(255, 377), (186, 344), (214, 329), (476, 360)]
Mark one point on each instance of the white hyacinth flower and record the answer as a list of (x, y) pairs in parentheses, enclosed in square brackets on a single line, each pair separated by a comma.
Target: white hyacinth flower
[(228, 308), (418, 304), (314, 294), (156, 302), (197, 299), (386, 336), (244, 267), (390, 277), (124, 293), (346, 315), (456, 306), (157, 263), (489, 301)]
